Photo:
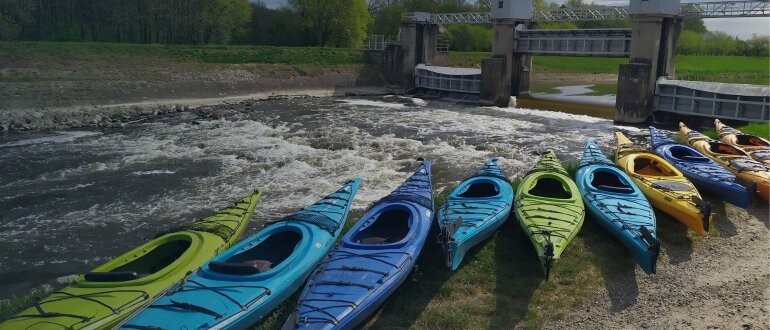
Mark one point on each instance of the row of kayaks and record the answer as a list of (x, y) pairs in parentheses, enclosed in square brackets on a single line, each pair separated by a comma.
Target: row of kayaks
[(195, 278)]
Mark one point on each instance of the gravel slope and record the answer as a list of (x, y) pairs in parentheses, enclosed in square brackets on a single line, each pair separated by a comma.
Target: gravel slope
[(719, 282)]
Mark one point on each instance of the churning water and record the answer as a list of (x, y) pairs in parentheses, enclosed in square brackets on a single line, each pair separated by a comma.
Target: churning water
[(70, 200)]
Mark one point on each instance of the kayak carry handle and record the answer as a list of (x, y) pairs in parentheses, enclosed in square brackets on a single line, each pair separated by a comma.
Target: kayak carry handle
[(652, 241)]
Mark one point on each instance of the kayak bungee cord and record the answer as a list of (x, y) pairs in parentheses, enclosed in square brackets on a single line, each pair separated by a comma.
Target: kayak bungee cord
[(215, 225), (115, 310), (349, 303)]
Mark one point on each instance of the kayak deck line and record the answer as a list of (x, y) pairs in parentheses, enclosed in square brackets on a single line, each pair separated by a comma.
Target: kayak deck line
[(42, 313)]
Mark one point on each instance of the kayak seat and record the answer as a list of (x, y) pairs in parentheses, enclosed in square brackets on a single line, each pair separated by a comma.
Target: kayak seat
[(610, 182), (480, 189), (156, 259), (244, 268), (374, 240), (390, 226), (646, 166), (270, 252), (549, 187), (111, 276), (725, 149), (750, 140)]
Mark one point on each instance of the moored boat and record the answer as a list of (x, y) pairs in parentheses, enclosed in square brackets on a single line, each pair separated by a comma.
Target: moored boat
[(707, 175), (124, 285), (757, 147), (549, 209), (237, 288), (730, 157), (665, 187), (473, 211), (618, 205), (371, 261)]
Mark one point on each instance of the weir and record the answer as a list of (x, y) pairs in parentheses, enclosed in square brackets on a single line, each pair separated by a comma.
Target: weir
[(644, 83)]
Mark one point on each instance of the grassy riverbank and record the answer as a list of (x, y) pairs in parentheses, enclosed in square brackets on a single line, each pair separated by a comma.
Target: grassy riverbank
[(500, 285)]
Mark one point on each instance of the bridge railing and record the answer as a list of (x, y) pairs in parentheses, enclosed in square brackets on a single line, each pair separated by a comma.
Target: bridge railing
[(597, 13), (740, 8), (726, 9)]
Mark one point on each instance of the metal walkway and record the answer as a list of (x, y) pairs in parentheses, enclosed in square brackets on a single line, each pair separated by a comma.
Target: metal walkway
[(586, 42), (745, 8), (715, 100)]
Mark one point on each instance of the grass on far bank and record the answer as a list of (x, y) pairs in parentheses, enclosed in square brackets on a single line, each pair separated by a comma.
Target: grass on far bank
[(728, 69), (757, 129)]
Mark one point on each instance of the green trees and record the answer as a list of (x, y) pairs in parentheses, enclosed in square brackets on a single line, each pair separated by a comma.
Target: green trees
[(335, 22), (135, 21)]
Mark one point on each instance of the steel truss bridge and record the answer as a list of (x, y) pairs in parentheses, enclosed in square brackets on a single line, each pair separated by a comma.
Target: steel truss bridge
[(745, 8)]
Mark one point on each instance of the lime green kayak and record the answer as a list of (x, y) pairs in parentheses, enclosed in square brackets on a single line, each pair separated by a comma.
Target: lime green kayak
[(549, 208), (123, 286)]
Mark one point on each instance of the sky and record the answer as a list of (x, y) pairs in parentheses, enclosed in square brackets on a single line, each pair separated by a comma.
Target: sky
[(740, 27)]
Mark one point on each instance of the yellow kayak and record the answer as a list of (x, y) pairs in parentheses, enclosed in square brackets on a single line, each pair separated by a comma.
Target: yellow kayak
[(665, 187), (731, 157), (757, 147), (121, 287)]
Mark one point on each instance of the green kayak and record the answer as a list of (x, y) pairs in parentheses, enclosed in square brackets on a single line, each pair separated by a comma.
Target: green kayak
[(123, 286), (549, 208)]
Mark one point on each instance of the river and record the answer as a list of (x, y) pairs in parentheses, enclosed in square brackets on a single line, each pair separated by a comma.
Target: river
[(73, 199)]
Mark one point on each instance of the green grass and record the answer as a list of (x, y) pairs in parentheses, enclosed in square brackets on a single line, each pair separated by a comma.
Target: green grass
[(603, 89), (729, 69), (43, 51), (757, 129)]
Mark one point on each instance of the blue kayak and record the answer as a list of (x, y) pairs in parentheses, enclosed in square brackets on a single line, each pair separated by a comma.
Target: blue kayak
[(473, 211), (237, 288), (371, 260), (705, 174), (618, 205)]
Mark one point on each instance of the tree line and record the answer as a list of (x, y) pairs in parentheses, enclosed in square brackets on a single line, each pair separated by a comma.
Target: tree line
[(331, 23)]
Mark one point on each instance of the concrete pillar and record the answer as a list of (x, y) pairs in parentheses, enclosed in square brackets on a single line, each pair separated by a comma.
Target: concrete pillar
[(493, 84), (655, 29), (522, 73), (502, 48), (429, 42), (410, 50)]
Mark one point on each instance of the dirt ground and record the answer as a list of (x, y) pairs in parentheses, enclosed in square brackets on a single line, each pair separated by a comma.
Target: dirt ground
[(717, 282), (63, 94)]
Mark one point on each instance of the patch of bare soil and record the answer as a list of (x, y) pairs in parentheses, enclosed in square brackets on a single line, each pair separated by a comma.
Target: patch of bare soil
[(36, 95), (717, 282)]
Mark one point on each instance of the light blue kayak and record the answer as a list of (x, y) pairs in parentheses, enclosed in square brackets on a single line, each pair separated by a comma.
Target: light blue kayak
[(237, 288), (473, 211), (618, 205)]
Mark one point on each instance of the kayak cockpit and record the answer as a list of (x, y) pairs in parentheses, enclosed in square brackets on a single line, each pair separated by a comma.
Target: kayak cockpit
[(480, 189), (391, 226), (750, 140), (550, 188), (266, 255), (151, 262), (687, 154), (652, 167), (610, 182), (725, 149)]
